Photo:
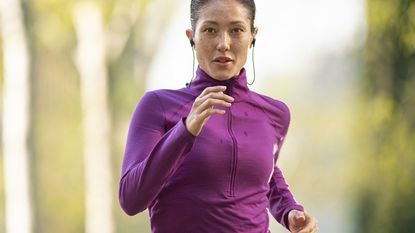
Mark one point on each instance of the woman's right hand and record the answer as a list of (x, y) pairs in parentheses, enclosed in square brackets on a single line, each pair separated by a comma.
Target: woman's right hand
[(203, 107)]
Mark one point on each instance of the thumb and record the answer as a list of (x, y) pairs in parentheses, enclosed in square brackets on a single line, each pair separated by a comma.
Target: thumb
[(299, 218)]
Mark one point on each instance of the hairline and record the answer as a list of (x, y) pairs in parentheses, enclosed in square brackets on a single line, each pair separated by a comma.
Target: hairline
[(216, 23), (250, 16)]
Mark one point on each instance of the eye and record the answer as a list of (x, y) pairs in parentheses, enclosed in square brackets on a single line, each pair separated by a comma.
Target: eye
[(209, 30), (237, 30)]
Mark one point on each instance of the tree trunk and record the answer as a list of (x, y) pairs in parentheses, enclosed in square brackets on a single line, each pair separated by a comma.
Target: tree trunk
[(16, 119), (91, 62)]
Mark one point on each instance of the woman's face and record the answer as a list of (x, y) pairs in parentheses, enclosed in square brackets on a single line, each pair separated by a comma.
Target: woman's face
[(222, 37)]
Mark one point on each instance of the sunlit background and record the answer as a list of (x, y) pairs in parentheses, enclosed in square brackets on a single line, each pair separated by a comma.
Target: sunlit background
[(72, 73)]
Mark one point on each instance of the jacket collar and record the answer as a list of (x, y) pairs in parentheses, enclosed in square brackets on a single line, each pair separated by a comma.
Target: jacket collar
[(236, 86)]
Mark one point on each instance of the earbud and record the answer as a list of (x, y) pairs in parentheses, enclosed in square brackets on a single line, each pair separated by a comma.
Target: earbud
[(192, 43), (253, 60), (253, 42)]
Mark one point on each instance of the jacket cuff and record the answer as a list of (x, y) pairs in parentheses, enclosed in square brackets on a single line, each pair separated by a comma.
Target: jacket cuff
[(183, 131)]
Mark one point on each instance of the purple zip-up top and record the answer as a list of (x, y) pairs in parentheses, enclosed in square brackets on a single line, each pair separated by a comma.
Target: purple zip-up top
[(221, 181)]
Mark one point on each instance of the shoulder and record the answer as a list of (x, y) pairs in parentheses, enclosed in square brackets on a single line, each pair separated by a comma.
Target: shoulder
[(158, 106), (274, 107), (166, 96), (172, 103), (276, 110)]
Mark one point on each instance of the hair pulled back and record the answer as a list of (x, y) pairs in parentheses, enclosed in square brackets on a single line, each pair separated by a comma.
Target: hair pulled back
[(197, 5)]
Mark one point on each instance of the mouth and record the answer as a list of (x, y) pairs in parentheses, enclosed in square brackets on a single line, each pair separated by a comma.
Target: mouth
[(223, 60)]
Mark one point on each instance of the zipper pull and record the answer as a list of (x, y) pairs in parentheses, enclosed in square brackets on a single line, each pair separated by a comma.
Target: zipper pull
[(229, 87)]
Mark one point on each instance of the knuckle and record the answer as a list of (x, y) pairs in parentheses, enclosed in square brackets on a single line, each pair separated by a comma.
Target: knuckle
[(200, 101), (197, 99), (211, 95), (210, 101)]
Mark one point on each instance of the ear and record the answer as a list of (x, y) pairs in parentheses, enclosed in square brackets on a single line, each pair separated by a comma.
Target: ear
[(189, 34), (254, 33)]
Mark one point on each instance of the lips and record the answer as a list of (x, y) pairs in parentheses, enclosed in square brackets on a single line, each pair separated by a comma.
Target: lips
[(222, 59)]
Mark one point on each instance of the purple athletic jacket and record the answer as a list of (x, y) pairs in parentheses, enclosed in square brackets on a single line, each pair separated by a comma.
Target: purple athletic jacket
[(221, 181)]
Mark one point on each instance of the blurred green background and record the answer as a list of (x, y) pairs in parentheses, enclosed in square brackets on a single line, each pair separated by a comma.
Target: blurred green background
[(350, 151)]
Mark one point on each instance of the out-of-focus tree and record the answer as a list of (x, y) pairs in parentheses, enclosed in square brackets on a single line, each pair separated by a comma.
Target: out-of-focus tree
[(91, 63), (384, 176), (132, 30), (16, 118), (129, 59)]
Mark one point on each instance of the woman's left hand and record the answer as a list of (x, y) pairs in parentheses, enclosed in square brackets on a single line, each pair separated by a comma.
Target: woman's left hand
[(301, 222)]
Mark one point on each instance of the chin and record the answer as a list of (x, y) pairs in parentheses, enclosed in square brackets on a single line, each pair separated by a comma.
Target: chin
[(223, 74), (222, 77)]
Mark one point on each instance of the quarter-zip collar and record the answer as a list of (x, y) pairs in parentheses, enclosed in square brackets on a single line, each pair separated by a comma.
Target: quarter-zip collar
[(237, 86)]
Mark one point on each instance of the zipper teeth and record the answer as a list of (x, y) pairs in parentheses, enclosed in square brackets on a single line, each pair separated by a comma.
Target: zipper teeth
[(234, 150), (234, 160)]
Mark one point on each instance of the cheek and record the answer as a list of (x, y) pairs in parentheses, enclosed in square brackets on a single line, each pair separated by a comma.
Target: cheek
[(242, 52), (201, 55), (204, 51), (241, 46)]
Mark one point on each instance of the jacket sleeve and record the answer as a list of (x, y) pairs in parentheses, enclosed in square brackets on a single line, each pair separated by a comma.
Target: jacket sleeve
[(281, 200), (152, 154)]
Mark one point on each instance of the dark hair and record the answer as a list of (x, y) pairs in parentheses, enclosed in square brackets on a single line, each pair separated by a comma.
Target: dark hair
[(197, 5)]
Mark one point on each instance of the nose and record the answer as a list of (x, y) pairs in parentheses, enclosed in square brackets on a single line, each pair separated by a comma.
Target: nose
[(224, 42)]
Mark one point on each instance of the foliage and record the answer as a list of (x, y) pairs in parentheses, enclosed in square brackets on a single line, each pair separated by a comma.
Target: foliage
[(56, 140), (387, 121)]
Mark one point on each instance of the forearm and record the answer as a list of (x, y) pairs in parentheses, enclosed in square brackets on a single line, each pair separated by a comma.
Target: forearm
[(281, 199), (141, 182)]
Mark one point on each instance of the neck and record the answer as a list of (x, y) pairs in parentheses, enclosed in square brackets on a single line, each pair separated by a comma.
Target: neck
[(237, 83)]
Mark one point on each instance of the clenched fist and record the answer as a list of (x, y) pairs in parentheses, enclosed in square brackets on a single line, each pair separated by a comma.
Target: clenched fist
[(301, 222)]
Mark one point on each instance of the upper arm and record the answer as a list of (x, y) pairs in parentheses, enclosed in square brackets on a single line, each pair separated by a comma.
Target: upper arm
[(146, 129)]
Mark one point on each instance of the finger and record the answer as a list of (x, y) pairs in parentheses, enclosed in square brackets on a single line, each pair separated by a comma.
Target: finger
[(299, 217), (210, 103), (210, 111), (307, 230), (315, 228), (213, 89), (216, 95), (311, 227), (213, 95)]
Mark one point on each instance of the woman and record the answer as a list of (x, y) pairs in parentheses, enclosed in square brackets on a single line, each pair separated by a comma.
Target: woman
[(203, 158)]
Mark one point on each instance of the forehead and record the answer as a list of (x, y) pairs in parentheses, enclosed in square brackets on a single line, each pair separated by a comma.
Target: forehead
[(220, 11)]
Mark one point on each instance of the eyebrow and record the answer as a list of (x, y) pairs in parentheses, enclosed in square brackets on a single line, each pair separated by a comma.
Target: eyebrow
[(216, 23)]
